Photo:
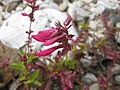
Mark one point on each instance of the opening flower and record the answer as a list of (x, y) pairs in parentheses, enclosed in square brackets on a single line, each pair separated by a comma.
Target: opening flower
[(58, 34), (48, 51)]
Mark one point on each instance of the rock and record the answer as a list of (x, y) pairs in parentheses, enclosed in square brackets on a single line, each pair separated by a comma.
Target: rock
[(96, 28), (115, 69), (97, 10), (113, 16), (107, 4), (20, 7), (117, 78), (94, 86), (58, 1), (118, 25), (87, 1), (5, 15), (63, 6), (89, 78), (47, 4), (5, 53), (1, 19), (12, 5), (76, 10), (14, 35), (86, 62), (13, 85), (1, 8), (117, 37), (6, 2)]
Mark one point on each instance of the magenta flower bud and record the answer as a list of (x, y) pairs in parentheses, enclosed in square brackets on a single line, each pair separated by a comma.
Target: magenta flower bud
[(36, 8), (24, 14), (24, 58), (67, 21)]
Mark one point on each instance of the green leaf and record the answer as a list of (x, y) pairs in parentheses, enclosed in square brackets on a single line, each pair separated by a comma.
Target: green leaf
[(83, 47), (21, 77), (74, 48), (84, 25), (37, 82), (99, 44), (34, 75), (21, 64), (66, 56), (21, 51), (15, 67), (28, 82), (30, 57), (18, 66)]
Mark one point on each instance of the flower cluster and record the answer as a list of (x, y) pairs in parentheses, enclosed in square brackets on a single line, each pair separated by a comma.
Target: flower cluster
[(58, 34), (33, 7)]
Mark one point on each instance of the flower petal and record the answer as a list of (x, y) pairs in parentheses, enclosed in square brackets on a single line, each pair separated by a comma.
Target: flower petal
[(47, 51), (42, 36), (47, 33), (53, 40), (38, 38)]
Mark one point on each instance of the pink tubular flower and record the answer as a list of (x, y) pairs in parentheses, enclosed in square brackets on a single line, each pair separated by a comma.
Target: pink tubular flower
[(58, 34), (53, 40), (32, 5), (48, 51), (42, 36)]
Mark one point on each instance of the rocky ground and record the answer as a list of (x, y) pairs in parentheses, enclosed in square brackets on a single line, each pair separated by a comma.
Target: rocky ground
[(13, 27)]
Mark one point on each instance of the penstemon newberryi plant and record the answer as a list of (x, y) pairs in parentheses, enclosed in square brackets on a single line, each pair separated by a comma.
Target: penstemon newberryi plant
[(65, 71)]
